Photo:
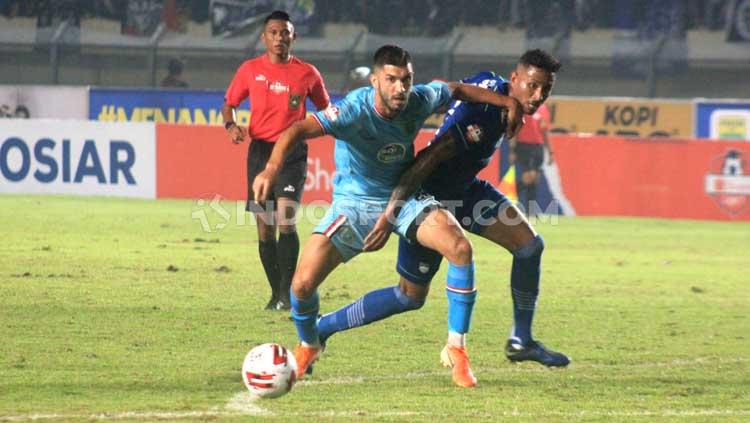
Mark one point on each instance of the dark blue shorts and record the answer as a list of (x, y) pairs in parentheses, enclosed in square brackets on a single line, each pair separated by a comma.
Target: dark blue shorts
[(479, 207)]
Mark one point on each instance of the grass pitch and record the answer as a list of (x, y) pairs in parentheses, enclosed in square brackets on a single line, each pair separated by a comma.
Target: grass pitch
[(127, 310)]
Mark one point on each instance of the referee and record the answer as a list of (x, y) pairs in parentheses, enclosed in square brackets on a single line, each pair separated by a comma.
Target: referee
[(278, 85)]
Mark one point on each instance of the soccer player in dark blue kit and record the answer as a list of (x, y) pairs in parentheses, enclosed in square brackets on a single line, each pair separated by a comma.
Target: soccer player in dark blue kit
[(447, 168)]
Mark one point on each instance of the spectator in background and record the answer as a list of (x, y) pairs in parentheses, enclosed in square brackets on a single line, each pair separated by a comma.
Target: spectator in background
[(528, 152), (174, 77), (278, 85), (22, 112)]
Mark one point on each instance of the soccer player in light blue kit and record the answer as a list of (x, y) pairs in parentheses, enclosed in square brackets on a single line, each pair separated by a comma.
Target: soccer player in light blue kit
[(447, 168), (374, 129)]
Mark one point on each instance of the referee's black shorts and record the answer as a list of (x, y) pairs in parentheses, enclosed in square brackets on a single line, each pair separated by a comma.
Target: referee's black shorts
[(529, 156), (291, 179)]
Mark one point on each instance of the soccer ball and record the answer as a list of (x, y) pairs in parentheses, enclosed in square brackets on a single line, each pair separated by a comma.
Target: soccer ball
[(269, 371)]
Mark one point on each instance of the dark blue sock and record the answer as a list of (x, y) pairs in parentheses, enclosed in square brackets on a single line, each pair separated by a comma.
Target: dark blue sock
[(305, 314), (373, 306), (461, 297), (524, 286)]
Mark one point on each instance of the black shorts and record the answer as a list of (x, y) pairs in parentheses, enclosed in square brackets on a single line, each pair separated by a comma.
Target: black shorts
[(529, 156), (291, 179)]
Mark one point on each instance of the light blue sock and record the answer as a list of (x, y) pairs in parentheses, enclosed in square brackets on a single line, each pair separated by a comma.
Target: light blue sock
[(525, 277), (373, 306), (305, 314), (461, 297)]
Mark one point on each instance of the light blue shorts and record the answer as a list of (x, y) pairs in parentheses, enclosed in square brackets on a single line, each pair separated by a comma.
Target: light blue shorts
[(348, 221)]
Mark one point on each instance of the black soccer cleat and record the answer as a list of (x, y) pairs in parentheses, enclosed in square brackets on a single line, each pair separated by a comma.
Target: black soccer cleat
[(272, 303), (535, 351), (283, 304)]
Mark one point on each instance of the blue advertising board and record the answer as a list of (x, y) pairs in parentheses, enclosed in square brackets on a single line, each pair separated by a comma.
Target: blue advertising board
[(200, 107), (155, 105), (726, 120)]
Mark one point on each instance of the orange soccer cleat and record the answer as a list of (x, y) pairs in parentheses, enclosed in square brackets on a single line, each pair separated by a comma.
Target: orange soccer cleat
[(305, 357), (457, 359)]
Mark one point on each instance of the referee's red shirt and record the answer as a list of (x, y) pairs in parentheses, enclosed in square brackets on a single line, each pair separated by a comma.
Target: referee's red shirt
[(531, 131), (277, 94)]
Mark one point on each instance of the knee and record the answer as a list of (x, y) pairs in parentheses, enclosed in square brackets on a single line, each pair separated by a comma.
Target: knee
[(462, 251), (533, 248), (303, 285), (410, 300)]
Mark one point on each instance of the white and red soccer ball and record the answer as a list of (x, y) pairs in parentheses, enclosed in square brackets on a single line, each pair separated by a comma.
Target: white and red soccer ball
[(269, 371)]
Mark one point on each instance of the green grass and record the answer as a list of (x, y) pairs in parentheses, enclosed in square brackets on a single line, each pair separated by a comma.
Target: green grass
[(654, 313)]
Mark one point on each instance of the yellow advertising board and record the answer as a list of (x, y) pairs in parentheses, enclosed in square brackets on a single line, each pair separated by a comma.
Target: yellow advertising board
[(621, 116)]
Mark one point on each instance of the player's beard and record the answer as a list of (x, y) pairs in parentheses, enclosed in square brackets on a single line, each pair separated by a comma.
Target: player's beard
[(391, 105)]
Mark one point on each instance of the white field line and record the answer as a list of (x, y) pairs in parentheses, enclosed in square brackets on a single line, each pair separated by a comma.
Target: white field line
[(516, 413), (128, 415), (149, 416), (244, 404), (241, 404), (352, 380)]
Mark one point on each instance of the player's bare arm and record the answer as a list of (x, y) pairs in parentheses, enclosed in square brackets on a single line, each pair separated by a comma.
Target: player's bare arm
[(295, 134), (474, 94), (426, 162), (237, 133)]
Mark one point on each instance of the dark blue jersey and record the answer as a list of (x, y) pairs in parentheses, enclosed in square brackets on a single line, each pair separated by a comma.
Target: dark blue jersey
[(477, 131)]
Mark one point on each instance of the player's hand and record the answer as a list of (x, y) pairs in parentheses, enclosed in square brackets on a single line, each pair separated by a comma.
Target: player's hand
[(237, 134), (378, 236), (512, 158), (551, 156), (515, 119), (262, 184)]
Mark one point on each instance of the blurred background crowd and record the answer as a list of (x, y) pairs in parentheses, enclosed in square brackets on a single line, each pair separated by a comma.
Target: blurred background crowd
[(394, 17), (650, 48)]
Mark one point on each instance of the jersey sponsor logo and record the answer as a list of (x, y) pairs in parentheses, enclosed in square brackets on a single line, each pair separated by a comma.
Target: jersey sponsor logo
[(346, 234), (391, 153), (277, 87), (423, 196), (260, 77), (332, 113), (473, 133), (294, 101), (289, 188), (487, 83), (728, 181)]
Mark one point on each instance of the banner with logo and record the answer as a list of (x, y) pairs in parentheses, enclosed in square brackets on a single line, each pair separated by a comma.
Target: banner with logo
[(162, 106), (237, 17), (668, 178), (77, 157), (201, 163), (189, 107), (621, 116), (142, 17), (44, 101), (724, 120)]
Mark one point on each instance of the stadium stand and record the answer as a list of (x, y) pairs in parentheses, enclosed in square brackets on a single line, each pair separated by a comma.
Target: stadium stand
[(92, 45)]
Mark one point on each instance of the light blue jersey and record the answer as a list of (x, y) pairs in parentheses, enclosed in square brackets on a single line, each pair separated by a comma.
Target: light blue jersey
[(372, 152)]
